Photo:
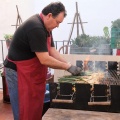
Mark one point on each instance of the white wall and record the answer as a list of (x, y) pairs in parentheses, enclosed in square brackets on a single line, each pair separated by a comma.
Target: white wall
[(97, 13), (8, 17), (8, 14)]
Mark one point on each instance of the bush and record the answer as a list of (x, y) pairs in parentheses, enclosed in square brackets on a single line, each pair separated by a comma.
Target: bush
[(89, 41), (8, 36)]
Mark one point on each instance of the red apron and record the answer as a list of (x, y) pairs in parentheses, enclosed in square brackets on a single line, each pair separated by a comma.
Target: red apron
[(31, 87)]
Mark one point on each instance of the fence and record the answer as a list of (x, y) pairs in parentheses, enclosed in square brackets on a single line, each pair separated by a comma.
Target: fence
[(4, 50)]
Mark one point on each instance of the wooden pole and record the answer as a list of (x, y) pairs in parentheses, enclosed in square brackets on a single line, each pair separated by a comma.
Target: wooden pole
[(19, 20), (81, 24), (70, 35), (77, 19)]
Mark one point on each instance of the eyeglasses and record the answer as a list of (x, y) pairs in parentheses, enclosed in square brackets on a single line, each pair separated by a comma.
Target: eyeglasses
[(58, 22)]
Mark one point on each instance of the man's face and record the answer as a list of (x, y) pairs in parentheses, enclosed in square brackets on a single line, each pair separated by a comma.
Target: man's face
[(53, 22)]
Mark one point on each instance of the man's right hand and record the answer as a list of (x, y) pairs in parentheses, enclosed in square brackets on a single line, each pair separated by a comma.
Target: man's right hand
[(74, 70)]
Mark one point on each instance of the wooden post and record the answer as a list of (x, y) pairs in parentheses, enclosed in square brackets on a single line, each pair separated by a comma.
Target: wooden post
[(77, 18), (19, 20)]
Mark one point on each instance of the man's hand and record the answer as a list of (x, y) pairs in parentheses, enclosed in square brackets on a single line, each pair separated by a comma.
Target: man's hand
[(74, 70)]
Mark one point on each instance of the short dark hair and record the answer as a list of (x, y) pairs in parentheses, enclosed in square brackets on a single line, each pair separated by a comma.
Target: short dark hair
[(55, 8)]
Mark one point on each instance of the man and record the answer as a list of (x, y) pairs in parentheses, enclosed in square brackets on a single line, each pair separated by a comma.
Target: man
[(31, 52)]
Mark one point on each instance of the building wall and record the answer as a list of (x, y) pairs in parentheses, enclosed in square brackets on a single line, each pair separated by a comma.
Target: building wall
[(8, 14), (8, 17)]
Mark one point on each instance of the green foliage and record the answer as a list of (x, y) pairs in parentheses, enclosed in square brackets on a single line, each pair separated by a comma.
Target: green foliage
[(115, 34), (81, 40), (89, 41), (0, 73), (116, 24), (106, 32), (8, 36)]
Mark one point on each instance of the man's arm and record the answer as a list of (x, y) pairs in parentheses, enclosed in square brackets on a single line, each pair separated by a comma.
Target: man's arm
[(52, 62), (54, 53)]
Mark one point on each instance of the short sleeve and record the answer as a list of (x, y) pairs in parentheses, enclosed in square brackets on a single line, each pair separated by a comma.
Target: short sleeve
[(38, 40)]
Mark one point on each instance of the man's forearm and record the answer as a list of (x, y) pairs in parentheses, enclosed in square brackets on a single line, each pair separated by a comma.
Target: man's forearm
[(54, 53), (52, 62)]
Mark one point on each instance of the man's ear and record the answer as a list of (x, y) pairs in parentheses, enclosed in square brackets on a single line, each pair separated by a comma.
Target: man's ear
[(49, 15)]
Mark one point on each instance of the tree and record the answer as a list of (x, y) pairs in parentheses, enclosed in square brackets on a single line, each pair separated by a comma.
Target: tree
[(106, 32), (116, 24)]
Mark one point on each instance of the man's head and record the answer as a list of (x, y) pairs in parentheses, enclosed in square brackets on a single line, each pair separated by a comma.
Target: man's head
[(53, 15)]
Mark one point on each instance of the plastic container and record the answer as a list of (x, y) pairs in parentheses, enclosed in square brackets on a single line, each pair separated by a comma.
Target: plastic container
[(115, 38)]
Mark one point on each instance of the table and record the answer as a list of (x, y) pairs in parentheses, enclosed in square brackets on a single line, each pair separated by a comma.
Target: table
[(67, 114)]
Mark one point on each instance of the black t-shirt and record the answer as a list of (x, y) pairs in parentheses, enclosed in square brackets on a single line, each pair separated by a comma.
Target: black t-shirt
[(30, 37)]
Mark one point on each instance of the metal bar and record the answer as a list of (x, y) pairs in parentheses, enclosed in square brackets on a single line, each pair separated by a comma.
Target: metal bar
[(63, 47), (113, 75), (2, 50), (117, 77), (56, 44), (99, 96)]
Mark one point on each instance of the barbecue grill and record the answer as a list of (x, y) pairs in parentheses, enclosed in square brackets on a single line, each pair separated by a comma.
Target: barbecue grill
[(101, 96)]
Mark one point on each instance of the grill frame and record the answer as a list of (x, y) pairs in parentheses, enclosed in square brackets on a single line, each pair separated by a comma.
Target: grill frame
[(82, 99)]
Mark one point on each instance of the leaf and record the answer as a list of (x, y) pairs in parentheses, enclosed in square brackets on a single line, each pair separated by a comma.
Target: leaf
[(8, 36)]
